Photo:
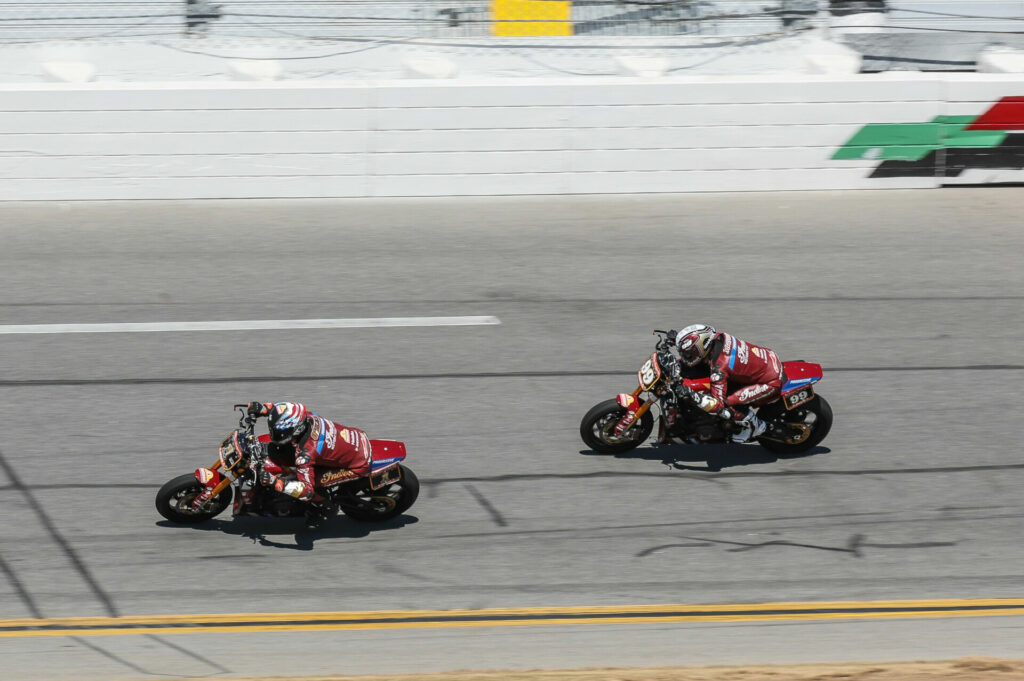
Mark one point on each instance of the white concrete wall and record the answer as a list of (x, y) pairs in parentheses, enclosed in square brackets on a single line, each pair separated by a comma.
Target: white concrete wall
[(426, 138)]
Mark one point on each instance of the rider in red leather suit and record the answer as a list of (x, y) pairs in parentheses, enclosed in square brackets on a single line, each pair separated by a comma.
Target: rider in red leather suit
[(753, 372), (302, 440)]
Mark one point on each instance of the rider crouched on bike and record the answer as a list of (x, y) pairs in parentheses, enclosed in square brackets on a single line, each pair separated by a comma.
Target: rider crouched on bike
[(302, 440), (753, 372)]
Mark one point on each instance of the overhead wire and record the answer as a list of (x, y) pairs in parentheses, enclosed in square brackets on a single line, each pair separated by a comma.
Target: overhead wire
[(340, 22), (949, 14)]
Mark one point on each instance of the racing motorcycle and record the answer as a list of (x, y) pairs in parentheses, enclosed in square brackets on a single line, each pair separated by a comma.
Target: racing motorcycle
[(386, 491), (798, 420)]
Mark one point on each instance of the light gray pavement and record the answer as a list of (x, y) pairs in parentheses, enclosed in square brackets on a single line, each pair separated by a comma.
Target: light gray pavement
[(915, 493)]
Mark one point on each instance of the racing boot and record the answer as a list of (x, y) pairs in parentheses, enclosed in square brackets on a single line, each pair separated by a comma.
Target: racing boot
[(663, 438), (317, 512), (750, 428)]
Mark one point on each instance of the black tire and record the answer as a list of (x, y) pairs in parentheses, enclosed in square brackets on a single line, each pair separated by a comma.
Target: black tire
[(389, 502), (595, 427), (173, 498), (821, 424)]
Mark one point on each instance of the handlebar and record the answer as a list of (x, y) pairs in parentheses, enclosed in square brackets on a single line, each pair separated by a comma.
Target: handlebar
[(666, 339), (245, 421), (249, 424)]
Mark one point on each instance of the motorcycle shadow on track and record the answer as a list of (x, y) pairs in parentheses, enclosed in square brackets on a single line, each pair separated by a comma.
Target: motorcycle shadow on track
[(260, 529), (715, 457)]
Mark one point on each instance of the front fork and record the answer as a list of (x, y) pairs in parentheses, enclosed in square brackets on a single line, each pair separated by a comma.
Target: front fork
[(635, 408), (213, 484)]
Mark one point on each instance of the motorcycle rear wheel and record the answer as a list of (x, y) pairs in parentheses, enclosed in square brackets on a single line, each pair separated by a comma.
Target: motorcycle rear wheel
[(387, 502), (596, 429), (173, 499), (817, 414)]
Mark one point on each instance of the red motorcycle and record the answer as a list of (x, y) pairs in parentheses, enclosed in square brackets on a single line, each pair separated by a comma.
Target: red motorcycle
[(388, 490), (798, 420)]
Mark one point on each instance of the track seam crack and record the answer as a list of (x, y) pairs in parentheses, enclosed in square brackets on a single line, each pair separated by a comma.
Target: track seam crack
[(69, 552)]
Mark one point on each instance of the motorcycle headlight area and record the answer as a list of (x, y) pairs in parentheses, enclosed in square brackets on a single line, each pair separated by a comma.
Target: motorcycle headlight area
[(230, 453)]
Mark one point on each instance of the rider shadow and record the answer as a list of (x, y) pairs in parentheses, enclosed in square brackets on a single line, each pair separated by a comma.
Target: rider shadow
[(258, 528), (715, 457)]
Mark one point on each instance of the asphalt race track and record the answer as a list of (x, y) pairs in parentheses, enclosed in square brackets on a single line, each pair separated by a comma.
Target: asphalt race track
[(912, 301)]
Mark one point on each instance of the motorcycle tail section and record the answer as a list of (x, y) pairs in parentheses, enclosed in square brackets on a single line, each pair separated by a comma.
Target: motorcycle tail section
[(385, 457), (800, 375)]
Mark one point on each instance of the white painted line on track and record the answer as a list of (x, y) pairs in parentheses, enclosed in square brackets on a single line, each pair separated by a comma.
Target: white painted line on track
[(249, 325)]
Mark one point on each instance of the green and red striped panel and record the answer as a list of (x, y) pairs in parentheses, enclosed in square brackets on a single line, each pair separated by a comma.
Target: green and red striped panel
[(914, 141)]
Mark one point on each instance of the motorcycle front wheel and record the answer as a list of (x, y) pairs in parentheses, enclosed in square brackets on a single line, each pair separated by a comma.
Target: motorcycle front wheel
[(174, 500), (597, 429), (385, 503), (812, 422)]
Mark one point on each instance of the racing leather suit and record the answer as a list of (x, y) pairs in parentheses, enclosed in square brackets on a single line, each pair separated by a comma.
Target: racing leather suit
[(343, 450), (756, 372)]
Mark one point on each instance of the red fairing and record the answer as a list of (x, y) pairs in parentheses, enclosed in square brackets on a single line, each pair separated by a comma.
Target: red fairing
[(208, 478), (628, 402), (797, 370), (387, 449), (702, 385)]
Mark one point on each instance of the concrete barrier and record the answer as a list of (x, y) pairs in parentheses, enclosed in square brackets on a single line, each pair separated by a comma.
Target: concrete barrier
[(455, 137)]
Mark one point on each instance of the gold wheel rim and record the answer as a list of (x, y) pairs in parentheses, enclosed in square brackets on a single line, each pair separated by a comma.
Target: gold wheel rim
[(389, 502), (805, 432), (184, 504), (609, 436)]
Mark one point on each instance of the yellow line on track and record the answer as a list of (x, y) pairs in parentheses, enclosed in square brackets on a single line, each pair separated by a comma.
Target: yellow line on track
[(504, 617)]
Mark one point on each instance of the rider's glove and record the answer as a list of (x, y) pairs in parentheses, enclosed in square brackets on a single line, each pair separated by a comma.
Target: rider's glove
[(256, 409), (292, 488), (672, 333), (706, 402)]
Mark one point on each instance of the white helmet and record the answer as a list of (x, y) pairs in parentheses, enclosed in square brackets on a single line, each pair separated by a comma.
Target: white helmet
[(693, 343)]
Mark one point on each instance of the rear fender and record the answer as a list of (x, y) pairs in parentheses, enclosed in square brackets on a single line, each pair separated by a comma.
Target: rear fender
[(386, 453), (799, 375)]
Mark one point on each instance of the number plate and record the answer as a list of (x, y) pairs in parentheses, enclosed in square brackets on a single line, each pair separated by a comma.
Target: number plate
[(385, 476), (798, 397), (649, 373)]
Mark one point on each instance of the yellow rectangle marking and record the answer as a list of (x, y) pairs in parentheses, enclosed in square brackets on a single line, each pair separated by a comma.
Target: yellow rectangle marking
[(531, 17)]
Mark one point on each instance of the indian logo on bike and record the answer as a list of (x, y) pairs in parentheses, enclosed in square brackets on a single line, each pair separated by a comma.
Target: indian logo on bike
[(331, 477)]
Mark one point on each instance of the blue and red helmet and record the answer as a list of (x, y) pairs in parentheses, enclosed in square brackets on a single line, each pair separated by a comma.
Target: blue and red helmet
[(287, 421)]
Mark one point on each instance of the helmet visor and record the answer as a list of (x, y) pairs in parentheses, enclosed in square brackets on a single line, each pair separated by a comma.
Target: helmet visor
[(281, 436), (691, 355)]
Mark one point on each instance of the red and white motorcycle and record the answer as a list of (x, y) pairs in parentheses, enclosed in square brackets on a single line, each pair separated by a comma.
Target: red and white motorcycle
[(388, 490), (797, 421)]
